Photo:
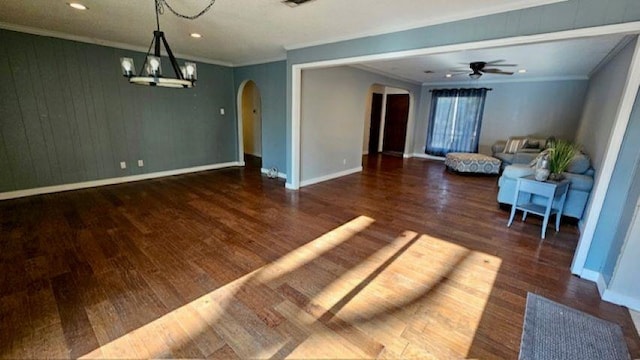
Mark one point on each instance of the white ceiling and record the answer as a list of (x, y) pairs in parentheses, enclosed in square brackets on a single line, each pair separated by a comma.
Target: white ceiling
[(575, 58), (241, 31)]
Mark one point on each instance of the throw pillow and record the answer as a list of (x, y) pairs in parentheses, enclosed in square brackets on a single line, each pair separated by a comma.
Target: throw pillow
[(531, 145), (514, 144), (579, 164)]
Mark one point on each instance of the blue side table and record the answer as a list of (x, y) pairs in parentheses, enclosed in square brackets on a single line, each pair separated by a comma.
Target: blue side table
[(552, 190)]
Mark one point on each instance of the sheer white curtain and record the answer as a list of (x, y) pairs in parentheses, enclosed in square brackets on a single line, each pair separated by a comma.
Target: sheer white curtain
[(455, 120)]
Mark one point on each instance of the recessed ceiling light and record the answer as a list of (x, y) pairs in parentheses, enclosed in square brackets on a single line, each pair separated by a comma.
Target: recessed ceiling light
[(522, 71), (195, 35), (448, 75), (77, 6)]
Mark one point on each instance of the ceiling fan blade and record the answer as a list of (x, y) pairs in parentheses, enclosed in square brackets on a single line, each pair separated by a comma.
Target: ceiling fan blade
[(494, 62), (459, 70), (496, 71)]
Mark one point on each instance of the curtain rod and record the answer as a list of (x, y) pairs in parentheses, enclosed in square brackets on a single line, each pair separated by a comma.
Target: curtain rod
[(488, 89)]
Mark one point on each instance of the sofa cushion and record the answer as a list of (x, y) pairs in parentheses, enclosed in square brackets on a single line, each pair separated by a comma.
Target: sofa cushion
[(579, 164), (518, 170), (504, 157)]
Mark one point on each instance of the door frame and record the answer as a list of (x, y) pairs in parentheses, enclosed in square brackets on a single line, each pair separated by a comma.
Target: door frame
[(615, 140), (369, 114)]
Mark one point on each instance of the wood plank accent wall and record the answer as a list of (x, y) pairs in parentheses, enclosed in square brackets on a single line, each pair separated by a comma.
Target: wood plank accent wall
[(67, 115)]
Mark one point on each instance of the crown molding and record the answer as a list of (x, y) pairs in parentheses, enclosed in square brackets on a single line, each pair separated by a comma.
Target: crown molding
[(510, 6), (262, 61), (94, 41), (495, 81), (613, 53)]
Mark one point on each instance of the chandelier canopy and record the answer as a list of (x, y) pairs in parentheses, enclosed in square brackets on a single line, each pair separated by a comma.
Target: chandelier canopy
[(185, 75)]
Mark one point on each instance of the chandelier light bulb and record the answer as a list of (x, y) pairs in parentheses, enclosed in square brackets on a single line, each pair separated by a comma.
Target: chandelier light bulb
[(190, 69), (127, 66), (154, 64)]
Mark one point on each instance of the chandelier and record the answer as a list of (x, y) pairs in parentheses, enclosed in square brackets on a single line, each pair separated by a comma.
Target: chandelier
[(185, 75)]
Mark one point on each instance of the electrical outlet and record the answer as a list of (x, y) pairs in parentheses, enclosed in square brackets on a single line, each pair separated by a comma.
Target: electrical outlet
[(140, 163), (344, 161), (221, 111), (123, 165)]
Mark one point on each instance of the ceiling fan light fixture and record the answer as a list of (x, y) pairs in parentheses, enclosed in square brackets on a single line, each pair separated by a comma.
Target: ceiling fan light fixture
[(475, 75)]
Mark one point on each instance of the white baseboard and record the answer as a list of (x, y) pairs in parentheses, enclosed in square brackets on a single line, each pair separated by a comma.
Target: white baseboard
[(280, 174), (581, 226), (365, 152), (331, 176), (113, 181), (621, 299), (597, 278), (427, 156), (407, 156), (608, 294), (290, 186)]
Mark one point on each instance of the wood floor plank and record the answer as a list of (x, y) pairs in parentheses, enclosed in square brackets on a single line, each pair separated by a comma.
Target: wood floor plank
[(404, 260)]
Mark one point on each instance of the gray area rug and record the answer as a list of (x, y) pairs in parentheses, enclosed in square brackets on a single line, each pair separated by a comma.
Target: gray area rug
[(555, 331)]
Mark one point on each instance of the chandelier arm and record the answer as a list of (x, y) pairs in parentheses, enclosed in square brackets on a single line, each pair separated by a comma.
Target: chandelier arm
[(144, 63), (174, 63), (193, 17), (158, 11), (156, 38)]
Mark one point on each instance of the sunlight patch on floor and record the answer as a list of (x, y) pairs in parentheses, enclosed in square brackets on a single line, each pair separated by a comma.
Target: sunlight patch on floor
[(429, 300), (209, 311), (341, 295)]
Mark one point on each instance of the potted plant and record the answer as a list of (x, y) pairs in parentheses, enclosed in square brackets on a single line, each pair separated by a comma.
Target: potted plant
[(560, 155)]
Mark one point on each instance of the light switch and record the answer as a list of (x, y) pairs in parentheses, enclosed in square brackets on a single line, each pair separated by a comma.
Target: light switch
[(140, 163), (221, 111), (123, 165)]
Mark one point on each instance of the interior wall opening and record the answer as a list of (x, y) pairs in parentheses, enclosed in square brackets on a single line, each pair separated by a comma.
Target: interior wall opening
[(250, 124)]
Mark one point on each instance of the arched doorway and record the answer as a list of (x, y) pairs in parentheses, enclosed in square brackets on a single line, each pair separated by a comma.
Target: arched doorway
[(250, 124)]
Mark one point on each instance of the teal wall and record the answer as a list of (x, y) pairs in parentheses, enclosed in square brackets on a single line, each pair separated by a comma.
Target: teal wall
[(571, 14), (270, 80), (67, 115), (620, 202)]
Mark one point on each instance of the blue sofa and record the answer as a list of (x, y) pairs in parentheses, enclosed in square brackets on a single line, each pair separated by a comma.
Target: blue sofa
[(579, 173)]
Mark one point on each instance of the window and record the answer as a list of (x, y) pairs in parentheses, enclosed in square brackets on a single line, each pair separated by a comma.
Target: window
[(455, 120)]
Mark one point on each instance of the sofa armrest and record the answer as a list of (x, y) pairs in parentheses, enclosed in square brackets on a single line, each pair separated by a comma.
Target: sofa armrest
[(498, 146), (517, 171)]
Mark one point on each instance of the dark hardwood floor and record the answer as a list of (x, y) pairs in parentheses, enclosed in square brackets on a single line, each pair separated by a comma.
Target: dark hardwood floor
[(404, 260)]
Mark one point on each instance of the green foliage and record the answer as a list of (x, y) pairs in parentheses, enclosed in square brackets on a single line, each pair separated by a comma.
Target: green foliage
[(560, 156)]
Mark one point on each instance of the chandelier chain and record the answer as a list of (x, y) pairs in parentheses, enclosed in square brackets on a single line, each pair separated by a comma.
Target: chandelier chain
[(161, 3)]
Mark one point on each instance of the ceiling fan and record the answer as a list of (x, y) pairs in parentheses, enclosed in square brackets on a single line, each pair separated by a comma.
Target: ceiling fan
[(480, 67), (294, 3)]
